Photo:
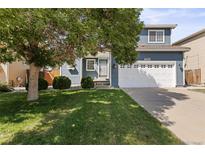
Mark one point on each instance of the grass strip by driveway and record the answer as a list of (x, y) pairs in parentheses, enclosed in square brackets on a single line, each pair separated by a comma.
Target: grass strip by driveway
[(79, 117), (198, 90)]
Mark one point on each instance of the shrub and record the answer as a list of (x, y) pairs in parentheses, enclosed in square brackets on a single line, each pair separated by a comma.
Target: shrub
[(5, 87), (61, 82), (87, 83), (42, 84)]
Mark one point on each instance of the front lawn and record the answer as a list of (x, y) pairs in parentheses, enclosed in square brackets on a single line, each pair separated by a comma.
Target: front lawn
[(78, 117)]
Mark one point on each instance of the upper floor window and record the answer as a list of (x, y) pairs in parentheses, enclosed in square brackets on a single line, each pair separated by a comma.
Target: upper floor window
[(155, 36)]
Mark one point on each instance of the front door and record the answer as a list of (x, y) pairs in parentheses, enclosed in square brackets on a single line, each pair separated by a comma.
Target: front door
[(103, 68)]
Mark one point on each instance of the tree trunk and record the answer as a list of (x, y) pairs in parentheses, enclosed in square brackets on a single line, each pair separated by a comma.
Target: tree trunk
[(33, 83)]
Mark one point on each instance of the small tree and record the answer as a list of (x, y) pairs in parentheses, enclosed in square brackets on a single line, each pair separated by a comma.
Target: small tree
[(50, 37)]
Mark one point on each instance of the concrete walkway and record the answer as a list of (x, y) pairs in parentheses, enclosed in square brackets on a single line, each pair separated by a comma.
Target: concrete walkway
[(180, 109)]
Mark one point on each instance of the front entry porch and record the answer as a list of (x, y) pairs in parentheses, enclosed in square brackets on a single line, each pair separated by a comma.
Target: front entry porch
[(98, 68)]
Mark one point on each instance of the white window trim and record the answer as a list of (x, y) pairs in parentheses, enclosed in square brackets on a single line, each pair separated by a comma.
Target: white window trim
[(87, 64), (158, 30)]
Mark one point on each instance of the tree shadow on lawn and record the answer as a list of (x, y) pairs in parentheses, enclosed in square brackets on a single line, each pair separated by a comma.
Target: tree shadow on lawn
[(86, 117)]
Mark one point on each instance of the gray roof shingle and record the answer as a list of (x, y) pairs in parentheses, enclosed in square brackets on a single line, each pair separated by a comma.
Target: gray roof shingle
[(161, 48), (160, 26)]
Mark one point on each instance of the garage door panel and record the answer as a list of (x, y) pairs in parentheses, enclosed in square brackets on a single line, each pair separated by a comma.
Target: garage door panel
[(137, 78), (147, 77)]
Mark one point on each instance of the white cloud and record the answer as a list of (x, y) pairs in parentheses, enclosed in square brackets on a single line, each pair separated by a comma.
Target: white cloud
[(159, 15), (155, 16)]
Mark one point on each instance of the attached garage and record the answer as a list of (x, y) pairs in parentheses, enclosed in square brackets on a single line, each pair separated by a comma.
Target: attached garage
[(156, 66), (148, 74)]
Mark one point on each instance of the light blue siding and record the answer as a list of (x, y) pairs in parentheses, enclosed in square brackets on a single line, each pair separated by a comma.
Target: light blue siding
[(180, 74), (80, 70), (144, 36), (92, 74), (161, 56), (75, 74), (114, 73)]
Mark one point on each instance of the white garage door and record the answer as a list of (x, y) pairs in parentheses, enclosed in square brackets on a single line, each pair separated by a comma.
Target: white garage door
[(148, 74)]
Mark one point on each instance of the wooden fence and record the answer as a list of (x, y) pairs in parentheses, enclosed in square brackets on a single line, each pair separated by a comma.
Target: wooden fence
[(193, 76)]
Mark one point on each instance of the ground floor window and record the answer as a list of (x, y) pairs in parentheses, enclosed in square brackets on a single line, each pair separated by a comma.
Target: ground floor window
[(90, 64)]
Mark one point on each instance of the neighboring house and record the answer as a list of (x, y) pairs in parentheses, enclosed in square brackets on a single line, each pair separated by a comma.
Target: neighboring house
[(17, 73), (195, 58), (14, 73), (159, 63)]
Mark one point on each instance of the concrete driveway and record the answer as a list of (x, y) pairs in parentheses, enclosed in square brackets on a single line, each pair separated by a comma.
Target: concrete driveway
[(181, 110)]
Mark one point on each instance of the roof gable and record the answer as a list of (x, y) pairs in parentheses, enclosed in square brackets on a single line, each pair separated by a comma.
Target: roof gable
[(172, 26), (191, 37)]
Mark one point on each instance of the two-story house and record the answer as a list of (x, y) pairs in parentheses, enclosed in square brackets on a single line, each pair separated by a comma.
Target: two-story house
[(159, 64)]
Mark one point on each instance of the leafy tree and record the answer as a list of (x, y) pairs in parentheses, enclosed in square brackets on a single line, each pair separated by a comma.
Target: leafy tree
[(50, 37)]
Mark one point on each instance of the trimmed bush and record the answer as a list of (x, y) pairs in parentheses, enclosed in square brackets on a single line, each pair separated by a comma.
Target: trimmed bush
[(87, 83), (61, 82), (5, 87), (42, 84)]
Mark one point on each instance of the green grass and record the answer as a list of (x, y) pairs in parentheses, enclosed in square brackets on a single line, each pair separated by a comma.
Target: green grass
[(199, 90), (78, 117)]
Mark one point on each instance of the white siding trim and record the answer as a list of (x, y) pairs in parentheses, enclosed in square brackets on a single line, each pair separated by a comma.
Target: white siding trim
[(110, 68), (183, 63), (60, 70), (81, 69)]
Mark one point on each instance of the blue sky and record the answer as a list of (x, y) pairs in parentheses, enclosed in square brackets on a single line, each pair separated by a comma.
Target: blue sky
[(188, 20)]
